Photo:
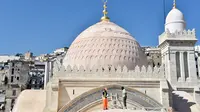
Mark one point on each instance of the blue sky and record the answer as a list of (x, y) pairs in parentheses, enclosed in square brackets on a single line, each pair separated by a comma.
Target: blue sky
[(41, 26)]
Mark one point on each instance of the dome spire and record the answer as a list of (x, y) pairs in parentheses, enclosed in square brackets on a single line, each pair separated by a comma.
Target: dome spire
[(174, 5), (105, 12)]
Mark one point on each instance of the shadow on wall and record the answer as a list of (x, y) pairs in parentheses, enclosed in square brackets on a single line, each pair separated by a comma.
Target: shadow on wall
[(180, 104)]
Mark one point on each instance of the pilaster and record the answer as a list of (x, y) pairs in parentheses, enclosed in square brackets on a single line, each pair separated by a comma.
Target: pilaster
[(164, 90), (46, 75), (52, 96), (192, 67), (166, 63), (198, 62), (50, 70), (172, 67)]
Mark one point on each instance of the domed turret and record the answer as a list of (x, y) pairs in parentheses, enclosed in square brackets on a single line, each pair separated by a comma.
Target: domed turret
[(175, 20), (105, 44)]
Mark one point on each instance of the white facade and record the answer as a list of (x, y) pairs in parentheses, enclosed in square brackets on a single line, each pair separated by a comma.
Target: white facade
[(94, 62)]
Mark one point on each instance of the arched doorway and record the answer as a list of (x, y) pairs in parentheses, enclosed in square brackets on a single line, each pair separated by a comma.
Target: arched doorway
[(90, 100)]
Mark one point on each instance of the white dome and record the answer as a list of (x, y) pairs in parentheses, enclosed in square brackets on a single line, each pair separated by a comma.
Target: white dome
[(105, 44), (175, 21)]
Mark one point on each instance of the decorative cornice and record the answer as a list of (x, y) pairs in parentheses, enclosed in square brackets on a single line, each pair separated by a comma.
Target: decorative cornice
[(181, 33), (112, 72), (186, 35)]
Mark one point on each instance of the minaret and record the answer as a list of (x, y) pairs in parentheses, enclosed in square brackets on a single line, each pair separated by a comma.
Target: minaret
[(105, 12), (177, 49)]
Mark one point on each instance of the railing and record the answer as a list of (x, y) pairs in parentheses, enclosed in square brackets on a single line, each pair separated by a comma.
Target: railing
[(116, 99)]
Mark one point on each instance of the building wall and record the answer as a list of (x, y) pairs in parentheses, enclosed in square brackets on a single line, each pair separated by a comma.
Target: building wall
[(153, 56)]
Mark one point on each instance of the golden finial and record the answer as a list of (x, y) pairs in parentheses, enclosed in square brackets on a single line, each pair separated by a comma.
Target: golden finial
[(105, 12), (174, 5)]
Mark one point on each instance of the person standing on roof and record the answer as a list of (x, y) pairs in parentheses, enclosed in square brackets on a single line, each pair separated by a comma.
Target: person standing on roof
[(124, 96), (105, 99)]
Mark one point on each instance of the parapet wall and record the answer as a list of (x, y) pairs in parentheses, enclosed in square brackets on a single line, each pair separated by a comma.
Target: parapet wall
[(184, 33), (178, 35), (188, 33), (111, 72)]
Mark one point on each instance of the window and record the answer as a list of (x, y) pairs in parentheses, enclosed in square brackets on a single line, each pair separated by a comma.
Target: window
[(13, 101), (185, 59), (12, 78), (13, 64), (17, 78), (154, 64), (12, 71), (158, 64), (178, 64), (14, 92), (33, 82)]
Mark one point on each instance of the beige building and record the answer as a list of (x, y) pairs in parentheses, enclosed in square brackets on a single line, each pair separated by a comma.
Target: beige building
[(106, 55), (153, 56), (28, 55)]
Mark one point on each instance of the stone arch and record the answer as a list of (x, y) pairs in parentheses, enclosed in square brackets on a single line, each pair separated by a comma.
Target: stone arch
[(92, 98)]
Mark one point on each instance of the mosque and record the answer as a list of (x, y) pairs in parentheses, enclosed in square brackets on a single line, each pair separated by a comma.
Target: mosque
[(106, 55)]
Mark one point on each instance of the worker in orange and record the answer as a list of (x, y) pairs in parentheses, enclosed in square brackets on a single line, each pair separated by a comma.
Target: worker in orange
[(105, 99)]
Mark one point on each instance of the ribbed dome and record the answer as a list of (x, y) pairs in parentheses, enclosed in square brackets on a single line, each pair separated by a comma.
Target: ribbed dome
[(105, 44), (175, 21)]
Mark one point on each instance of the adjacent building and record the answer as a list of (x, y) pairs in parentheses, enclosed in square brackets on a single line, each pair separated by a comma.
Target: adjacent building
[(21, 72), (153, 56)]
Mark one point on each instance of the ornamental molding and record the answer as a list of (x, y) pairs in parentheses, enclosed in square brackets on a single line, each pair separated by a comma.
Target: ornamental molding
[(112, 72)]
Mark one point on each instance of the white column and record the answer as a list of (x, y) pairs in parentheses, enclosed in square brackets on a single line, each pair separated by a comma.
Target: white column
[(46, 75), (172, 64), (192, 67), (167, 66), (182, 67), (198, 64), (50, 69)]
